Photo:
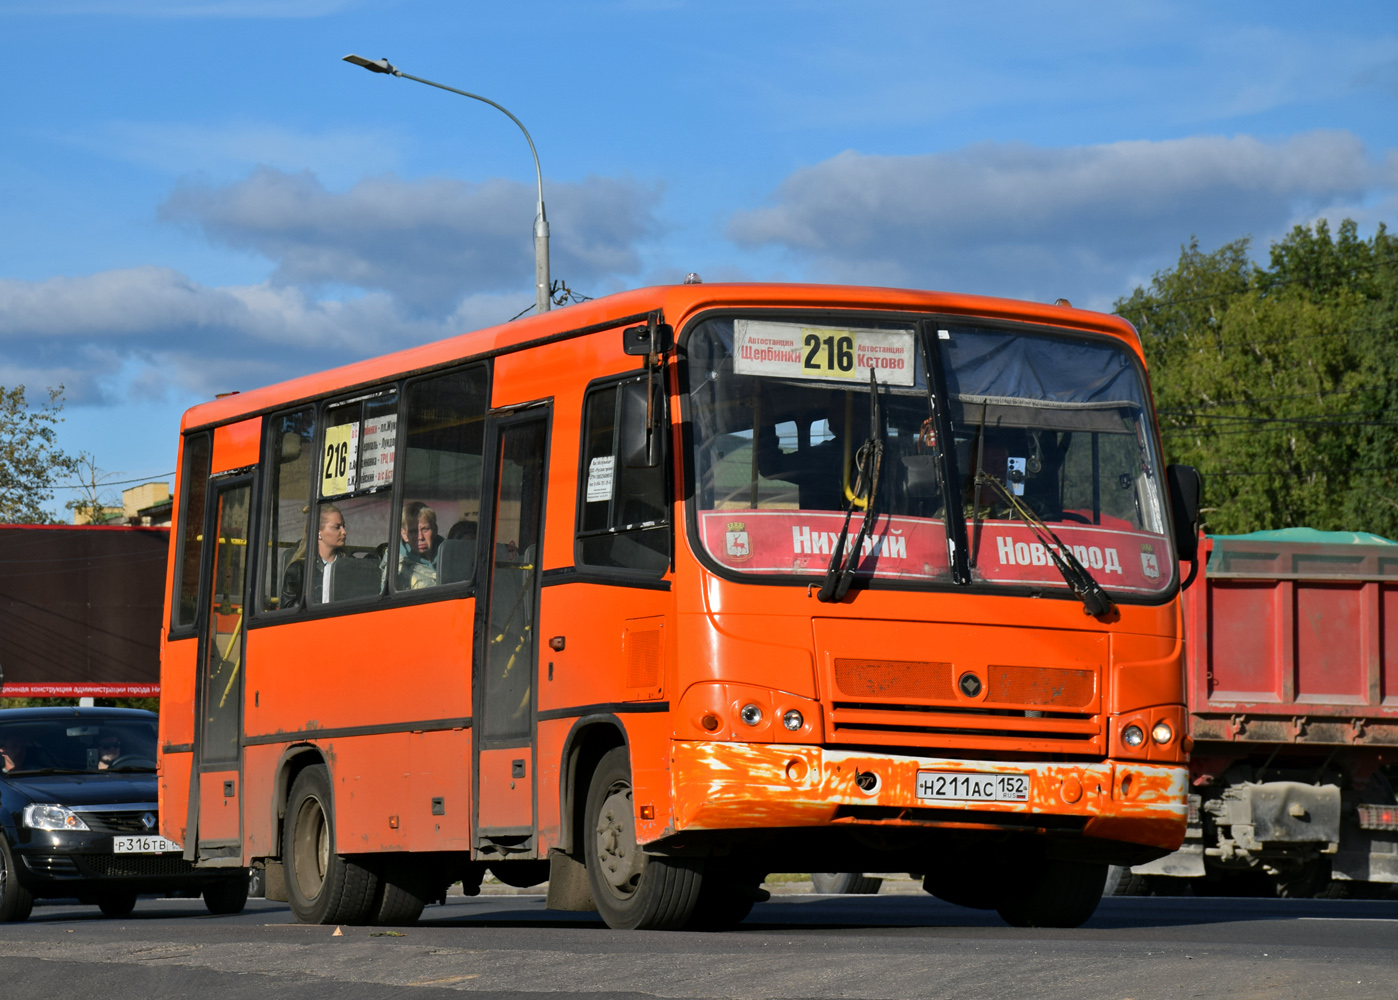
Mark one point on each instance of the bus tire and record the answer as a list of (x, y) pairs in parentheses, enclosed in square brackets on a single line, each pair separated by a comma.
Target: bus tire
[(632, 890), (726, 896), (1055, 894), (395, 906), (845, 883), (322, 887), (1121, 881), (227, 897), (16, 902)]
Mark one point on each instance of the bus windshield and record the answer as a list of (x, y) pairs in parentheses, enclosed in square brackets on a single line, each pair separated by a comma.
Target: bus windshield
[(781, 408)]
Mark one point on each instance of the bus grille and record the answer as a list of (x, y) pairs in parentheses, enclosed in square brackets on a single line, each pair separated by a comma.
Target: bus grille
[(1024, 709)]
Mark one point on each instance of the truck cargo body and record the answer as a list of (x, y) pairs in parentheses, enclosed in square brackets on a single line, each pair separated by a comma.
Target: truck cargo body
[(1292, 687)]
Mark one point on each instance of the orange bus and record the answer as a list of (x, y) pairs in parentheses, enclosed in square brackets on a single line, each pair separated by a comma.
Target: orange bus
[(654, 595)]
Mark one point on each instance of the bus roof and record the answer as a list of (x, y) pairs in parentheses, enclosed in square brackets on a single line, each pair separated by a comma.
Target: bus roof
[(677, 302)]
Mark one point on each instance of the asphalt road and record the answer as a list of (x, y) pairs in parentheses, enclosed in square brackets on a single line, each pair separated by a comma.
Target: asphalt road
[(793, 946)]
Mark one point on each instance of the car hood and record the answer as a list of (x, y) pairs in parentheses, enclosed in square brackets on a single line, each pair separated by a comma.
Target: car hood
[(85, 789)]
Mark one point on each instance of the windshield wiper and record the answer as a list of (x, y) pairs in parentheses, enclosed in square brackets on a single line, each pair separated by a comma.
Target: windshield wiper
[(1094, 599), (868, 460), (130, 769), (46, 770)]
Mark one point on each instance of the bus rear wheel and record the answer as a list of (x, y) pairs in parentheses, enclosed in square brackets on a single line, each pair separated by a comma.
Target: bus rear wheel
[(322, 887), (632, 890)]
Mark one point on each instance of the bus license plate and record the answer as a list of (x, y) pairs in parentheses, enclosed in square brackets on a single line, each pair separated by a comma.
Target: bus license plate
[(143, 845), (961, 786)]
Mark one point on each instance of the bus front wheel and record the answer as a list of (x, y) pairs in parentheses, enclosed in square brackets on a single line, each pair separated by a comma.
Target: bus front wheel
[(1055, 894), (632, 890), (323, 887)]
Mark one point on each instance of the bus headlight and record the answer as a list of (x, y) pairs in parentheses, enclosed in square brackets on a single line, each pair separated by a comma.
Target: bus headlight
[(1133, 736), (751, 714), (792, 720), (1162, 733)]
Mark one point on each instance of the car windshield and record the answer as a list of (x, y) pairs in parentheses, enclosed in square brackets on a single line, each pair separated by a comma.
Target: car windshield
[(77, 745), (781, 410)]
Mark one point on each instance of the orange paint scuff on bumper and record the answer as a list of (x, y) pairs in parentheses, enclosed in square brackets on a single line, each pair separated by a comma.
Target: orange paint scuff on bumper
[(720, 786)]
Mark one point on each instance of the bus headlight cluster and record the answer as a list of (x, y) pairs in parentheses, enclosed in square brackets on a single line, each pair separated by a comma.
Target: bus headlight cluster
[(1133, 736)]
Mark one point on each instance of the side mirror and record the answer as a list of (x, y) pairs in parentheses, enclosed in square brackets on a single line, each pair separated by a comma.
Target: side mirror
[(1186, 497), (653, 338), (639, 435)]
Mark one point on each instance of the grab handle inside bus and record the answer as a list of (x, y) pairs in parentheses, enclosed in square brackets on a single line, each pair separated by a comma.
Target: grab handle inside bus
[(639, 435)]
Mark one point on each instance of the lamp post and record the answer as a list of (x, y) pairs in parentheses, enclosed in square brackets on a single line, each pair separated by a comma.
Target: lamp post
[(541, 224)]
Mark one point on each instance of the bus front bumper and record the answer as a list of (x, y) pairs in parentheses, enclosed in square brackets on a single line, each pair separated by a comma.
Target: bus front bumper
[(723, 786)]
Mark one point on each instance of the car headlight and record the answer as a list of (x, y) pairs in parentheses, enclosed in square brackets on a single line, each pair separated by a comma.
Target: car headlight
[(44, 816)]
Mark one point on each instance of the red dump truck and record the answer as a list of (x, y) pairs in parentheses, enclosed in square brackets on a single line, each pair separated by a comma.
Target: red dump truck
[(1292, 683), (1291, 659)]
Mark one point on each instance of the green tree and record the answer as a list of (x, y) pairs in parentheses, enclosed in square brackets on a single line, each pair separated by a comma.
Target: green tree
[(1278, 383), (30, 459)]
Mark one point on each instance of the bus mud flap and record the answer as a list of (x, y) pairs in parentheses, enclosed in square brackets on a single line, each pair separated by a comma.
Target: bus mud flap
[(569, 888)]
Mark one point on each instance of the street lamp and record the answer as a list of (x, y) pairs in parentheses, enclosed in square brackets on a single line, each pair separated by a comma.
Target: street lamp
[(541, 224)]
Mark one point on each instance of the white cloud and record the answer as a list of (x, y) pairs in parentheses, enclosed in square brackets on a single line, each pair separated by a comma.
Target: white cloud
[(1026, 221), (140, 332), (425, 242)]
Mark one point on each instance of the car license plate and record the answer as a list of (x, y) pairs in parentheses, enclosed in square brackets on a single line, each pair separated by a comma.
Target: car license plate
[(964, 786), (143, 845)]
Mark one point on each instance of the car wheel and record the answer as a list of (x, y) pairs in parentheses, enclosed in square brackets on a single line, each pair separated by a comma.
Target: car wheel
[(845, 883), (632, 890), (15, 900), (322, 887), (227, 897), (116, 903)]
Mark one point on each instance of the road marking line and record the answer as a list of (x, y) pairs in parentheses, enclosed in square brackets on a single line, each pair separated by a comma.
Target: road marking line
[(448, 979)]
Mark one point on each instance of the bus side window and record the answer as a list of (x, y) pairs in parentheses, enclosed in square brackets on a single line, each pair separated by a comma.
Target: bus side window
[(438, 524), (355, 468), (194, 486), (290, 459), (623, 517)]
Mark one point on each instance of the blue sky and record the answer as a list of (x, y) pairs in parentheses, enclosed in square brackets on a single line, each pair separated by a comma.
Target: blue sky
[(200, 196)]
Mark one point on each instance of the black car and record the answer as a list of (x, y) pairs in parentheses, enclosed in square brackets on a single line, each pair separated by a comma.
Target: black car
[(78, 815)]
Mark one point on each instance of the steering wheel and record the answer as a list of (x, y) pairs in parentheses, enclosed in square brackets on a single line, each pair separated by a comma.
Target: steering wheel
[(129, 759), (1072, 515)]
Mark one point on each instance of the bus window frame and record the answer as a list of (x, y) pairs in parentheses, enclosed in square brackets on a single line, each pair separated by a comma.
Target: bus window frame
[(400, 385), (178, 629), (920, 321), (264, 524), (624, 574)]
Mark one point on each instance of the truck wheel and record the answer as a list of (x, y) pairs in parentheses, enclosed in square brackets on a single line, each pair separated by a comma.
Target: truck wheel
[(322, 887), (845, 883), (1055, 894), (227, 897), (16, 901), (116, 903), (632, 890)]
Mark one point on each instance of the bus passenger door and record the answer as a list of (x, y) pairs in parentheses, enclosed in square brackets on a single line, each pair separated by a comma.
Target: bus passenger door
[(217, 737), (506, 654)]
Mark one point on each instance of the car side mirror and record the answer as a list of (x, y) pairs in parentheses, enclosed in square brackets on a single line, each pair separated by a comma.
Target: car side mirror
[(1186, 497), (639, 434)]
